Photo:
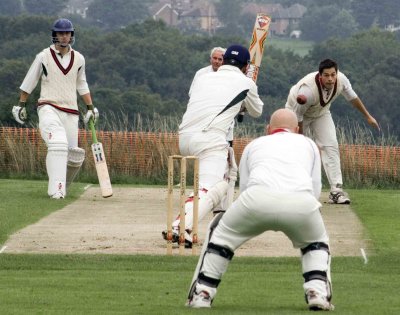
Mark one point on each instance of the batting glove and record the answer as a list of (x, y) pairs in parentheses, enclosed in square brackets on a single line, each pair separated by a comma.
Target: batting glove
[(91, 113), (19, 113)]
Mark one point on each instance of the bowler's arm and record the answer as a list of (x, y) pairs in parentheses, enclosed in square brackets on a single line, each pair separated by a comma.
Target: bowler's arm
[(357, 103)]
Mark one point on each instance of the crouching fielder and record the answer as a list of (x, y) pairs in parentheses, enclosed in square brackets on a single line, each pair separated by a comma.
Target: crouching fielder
[(280, 183), (215, 100)]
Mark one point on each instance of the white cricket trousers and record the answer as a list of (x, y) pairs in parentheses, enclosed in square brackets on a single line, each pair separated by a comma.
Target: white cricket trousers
[(60, 131), (322, 130), (211, 148), (257, 210)]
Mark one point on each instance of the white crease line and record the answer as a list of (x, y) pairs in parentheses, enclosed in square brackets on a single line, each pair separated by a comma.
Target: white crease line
[(3, 249), (87, 186), (364, 255)]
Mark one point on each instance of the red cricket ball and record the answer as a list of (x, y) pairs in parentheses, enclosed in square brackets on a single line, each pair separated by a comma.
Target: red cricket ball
[(301, 99)]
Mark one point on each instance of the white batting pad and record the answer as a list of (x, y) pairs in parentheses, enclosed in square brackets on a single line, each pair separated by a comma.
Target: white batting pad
[(56, 164), (207, 202), (315, 260), (76, 156)]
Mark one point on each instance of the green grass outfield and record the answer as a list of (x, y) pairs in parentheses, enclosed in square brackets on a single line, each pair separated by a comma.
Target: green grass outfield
[(297, 46), (108, 284)]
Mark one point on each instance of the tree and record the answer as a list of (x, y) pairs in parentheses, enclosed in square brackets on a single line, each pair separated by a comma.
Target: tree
[(228, 12), (359, 53), (369, 12), (331, 21), (342, 25), (22, 26), (45, 7), (10, 7), (148, 67), (117, 13)]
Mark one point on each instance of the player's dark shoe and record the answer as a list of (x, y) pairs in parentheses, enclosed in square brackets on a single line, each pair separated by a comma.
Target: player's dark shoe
[(175, 238)]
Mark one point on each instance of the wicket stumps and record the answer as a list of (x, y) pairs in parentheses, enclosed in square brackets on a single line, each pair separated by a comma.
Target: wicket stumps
[(182, 200)]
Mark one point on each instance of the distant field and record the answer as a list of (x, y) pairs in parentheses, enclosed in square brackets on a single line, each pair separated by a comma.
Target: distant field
[(299, 47)]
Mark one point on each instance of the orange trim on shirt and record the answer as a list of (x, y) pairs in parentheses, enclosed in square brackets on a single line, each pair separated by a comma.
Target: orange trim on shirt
[(319, 86)]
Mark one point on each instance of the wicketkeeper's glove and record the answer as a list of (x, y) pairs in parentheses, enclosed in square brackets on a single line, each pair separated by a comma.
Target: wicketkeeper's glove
[(19, 113), (91, 113)]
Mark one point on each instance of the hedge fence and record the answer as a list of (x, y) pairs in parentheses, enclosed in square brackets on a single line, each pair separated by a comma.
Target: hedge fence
[(144, 155)]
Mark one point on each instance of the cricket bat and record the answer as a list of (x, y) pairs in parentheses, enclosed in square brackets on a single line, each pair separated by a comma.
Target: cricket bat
[(101, 164), (256, 49)]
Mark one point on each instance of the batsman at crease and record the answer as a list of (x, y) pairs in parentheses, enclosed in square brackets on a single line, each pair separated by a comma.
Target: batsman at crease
[(215, 101)]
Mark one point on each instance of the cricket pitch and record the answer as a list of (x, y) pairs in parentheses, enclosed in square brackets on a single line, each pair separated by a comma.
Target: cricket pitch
[(131, 221)]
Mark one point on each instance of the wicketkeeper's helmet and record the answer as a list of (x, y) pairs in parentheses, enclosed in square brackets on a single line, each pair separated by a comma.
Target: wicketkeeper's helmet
[(62, 25)]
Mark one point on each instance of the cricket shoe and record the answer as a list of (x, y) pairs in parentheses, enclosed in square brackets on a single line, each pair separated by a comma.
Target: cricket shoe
[(175, 237), (200, 300), (57, 195), (338, 197), (317, 302)]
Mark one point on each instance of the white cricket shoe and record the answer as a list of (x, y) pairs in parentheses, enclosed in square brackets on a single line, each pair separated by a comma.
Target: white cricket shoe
[(200, 300), (57, 195), (317, 302), (338, 197)]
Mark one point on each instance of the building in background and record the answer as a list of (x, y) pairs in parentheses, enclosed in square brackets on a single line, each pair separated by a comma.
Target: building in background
[(165, 11), (196, 15), (202, 16)]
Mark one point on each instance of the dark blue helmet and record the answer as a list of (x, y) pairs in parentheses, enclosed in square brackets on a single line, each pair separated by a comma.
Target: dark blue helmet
[(236, 55), (62, 25)]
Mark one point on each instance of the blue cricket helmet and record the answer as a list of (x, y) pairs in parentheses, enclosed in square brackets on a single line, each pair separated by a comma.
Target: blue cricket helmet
[(62, 25), (237, 55)]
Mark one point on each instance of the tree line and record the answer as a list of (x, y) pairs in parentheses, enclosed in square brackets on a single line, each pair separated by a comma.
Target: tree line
[(147, 68), (340, 18)]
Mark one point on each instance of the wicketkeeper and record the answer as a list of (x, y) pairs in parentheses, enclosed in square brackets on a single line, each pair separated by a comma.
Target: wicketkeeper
[(280, 184), (61, 71)]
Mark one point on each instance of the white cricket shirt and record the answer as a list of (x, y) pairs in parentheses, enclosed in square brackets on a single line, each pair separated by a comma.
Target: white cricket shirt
[(282, 162)]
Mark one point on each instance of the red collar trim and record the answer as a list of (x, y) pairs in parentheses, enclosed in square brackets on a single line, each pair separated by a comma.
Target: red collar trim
[(319, 86), (71, 62), (278, 130)]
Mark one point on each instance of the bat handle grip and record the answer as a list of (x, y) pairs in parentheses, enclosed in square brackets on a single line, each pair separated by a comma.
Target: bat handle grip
[(93, 130)]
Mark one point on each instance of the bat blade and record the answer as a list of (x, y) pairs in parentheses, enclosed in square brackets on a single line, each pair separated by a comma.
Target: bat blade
[(102, 170), (256, 49)]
